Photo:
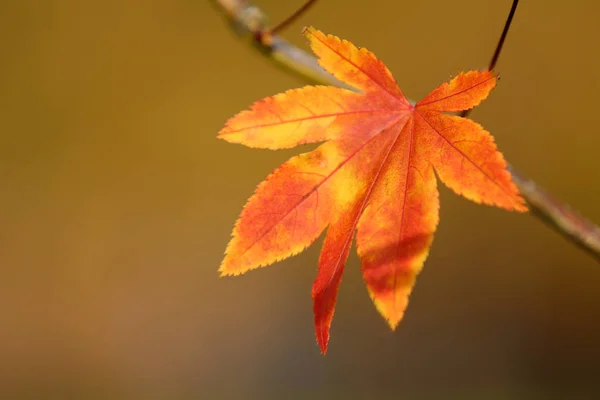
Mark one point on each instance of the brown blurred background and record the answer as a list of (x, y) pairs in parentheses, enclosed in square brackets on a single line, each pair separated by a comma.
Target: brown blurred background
[(117, 202)]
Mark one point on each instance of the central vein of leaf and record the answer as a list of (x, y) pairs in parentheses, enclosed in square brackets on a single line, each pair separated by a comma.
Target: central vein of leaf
[(456, 93), (301, 119), (403, 209), (367, 195)]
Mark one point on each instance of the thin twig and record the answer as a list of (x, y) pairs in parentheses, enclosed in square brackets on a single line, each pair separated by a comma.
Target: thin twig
[(250, 21), (282, 25)]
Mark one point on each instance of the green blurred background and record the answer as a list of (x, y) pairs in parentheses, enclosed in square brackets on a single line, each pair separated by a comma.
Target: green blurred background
[(117, 202)]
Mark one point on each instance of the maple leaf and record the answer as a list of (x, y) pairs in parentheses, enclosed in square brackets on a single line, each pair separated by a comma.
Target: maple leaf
[(374, 175)]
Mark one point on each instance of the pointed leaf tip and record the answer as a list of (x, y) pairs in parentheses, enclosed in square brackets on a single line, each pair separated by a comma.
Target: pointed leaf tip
[(308, 29), (226, 269), (390, 313), (322, 336)]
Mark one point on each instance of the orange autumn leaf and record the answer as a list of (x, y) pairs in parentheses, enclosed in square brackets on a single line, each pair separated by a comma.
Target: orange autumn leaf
[(374, 175)]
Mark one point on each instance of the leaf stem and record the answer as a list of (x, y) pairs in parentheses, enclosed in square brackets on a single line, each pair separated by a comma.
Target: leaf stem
[(509, 19), (500, 44), (250, 21)]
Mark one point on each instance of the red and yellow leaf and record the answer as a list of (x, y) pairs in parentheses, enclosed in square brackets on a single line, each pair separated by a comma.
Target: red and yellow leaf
[(374, 175)]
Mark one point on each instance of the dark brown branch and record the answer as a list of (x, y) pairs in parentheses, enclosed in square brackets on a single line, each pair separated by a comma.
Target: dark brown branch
[(250, 21)]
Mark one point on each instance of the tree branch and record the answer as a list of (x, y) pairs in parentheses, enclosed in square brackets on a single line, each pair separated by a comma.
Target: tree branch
[(250, 22)]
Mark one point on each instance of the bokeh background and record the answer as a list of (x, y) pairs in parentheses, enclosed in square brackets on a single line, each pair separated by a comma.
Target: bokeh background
[(117, 202)]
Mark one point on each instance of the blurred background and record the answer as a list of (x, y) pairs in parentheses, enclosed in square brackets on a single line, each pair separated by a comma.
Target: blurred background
[(117, 202)]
